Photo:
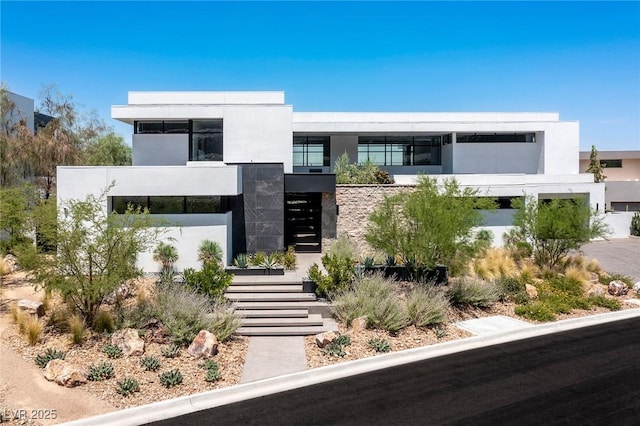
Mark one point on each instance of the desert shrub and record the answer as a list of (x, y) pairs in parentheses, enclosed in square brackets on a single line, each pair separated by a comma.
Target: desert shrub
[(102, 371), (536, 311), (427, 305), (127, 386), (635, 224), (4, 267), (358, 300), (112, 351), (390, 316), (77, 329), (348, 306), (15, 313), (241, 261), (171, 378), (494, 263), (59, 319), (27, 255), (104, 322), (605, 302), (593, 266), (33, 329), (333, 349), (258, 258), (340, 274), (171, 351), (150, 363), (343, 248), (224, 321), (46, 300), (183, 312), (211, 280), (616, 276), (379, 345), (473, 292), (512, 289), (289, 259), (577, 274), (43, 359)]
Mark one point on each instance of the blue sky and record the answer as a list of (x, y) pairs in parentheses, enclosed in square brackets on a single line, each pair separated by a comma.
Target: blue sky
[(581, 59)]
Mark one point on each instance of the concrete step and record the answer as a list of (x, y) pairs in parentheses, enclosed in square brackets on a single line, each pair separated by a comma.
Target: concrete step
[(262, 288), (328, 324), (249, 281), (252, 305), (311, 320), (270, 297), (272, 313)]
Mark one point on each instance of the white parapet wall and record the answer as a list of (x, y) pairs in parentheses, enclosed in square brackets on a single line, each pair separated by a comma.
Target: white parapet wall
[(619, 224)]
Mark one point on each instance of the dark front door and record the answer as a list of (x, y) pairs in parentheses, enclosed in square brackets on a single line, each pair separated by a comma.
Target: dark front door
[(303, 219)]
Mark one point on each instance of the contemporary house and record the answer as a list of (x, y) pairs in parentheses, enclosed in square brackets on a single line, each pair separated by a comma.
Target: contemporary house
[(244, 169), (622, 183)]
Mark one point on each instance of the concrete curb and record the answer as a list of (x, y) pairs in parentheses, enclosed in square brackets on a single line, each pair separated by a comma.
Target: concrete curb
[(179, 406)]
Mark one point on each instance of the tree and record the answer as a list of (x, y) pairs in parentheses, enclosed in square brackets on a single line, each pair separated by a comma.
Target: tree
[(431, 225), (15, 142), (15, 216), (107, 150), (595, 166), (96, 252), (553, 228), (166, 254)]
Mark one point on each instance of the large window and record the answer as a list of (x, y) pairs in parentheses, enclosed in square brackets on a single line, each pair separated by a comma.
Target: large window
[(172, 204), (205, 140), (311, 151), (401, 150), (611, 164), (496, 138), (205, 136)]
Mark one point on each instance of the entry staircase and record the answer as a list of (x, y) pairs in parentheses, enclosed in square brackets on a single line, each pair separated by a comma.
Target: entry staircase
[(270, 308)]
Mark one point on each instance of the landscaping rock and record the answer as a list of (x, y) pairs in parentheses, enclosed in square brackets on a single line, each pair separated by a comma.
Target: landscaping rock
[(359, 324), (11, 261), (531, 291), (31, 307), (618, 288), (594, 278), (323, 339), (128, 340), (157, 332), (636, 287), (64, 373), (205, 345), (595, 290)]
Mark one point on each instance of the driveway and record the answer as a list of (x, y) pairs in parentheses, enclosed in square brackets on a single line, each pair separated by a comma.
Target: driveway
[(619, 255)]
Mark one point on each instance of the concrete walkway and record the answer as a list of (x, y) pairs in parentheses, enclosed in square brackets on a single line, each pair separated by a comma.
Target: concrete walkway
[(271, 356)]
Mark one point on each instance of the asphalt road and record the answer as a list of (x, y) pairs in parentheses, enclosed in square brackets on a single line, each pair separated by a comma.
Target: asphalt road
[(589, 376), (621, 256)]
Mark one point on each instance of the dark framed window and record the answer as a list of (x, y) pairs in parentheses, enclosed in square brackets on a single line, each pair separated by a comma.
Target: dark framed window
[(173, 204), (420, 150), (496, 138), (611, 164), (205, 140), (311, 151), (161, 127)]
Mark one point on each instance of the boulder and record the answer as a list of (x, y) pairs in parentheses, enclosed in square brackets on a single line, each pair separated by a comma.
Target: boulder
[(594, 278), (64, 373), (636, 287), (128, 340), (617, 288), (595, 290), (323, 339), (359, 324), (205, 345), (11, 261), (157, 332), (531, 291), (31, 307)]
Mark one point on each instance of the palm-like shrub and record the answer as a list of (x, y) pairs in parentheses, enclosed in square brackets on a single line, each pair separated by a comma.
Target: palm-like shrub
[(166, 254), (209, 252)]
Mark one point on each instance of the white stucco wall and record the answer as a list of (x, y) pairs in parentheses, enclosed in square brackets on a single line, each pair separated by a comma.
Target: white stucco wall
[(187, 235), (561, 148), (258, 134), (160, 150), (619, 224), (23, 110)]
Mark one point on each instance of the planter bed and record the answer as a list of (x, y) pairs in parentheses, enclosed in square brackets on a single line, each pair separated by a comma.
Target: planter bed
[(252, 270)]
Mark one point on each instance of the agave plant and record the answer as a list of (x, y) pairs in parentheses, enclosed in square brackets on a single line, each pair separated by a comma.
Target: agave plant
[(270, 262), (166, 254), (241, 261), (209, 251)]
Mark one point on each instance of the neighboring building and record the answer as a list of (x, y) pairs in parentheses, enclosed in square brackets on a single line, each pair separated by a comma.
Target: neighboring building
[(24, 110), (622, 169), (244, 169)]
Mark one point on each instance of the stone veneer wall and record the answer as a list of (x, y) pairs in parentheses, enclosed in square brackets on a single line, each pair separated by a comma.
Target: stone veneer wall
[(355, 204)]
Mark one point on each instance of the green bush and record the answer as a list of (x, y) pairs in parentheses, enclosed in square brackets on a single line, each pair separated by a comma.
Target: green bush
[(379, 345), (150, 363), (605, 302), (334, 349), (390, 316), (536, 311), (172, 351), (171, 378), (289, 259), (473, 292), (128, 386), (616, 276), (359, 174), (427, 305), (635, 224), (211, 280), (43, 359), (511, 289), (27, 255), (102, 371), (112, 351), (183, 312), (258, 258), (224, 321), (213, 370), (104, 322)]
